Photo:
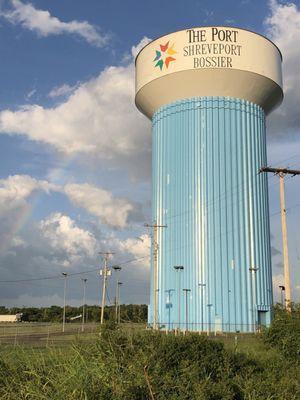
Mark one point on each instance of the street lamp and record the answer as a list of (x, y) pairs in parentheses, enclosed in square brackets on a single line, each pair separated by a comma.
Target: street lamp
[(179, 268), (65, 275), (117, 269), (282, 289), (186, 309), (202, 286), (253, 271), (84, 280), (209, 317), (169, 306)]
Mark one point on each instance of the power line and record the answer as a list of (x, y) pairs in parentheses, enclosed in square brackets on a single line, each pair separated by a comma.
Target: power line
[(69, 275), (53, 277)]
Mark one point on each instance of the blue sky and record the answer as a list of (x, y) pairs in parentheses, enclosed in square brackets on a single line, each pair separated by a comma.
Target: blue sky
[(75, 153)]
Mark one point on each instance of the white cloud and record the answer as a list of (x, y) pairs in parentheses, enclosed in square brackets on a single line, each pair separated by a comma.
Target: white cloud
[(136, 49), (99, 202), (44, 24), (138, 247), (283, 27), (58, 242), (17, 188), (62, 234), (30, 94), (63, 90), (98, 119), (110, 210)]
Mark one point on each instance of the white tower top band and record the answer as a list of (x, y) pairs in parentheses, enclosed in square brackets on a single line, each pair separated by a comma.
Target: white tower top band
[(208, 61)]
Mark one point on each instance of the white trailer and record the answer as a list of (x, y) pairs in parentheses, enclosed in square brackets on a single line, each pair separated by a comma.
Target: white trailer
[(11, 318)]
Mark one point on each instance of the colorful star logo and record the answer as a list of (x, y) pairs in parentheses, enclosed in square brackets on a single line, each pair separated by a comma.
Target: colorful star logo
[(164, 56)]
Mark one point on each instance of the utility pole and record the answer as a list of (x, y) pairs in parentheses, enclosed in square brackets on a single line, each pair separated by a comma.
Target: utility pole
[(117, 269), (186, 309), (84, 280), (178, 269), (155, 248), (281, 172), (65, 275), (105, 273)]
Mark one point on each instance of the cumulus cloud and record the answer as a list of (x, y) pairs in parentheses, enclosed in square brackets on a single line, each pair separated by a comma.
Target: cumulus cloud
[(63, 90), (63, 235), (17, 188), (138, 246), (136, 49), (283, 27), (99, 202), (44, 24), (109, 210), (99, 118), (60, 243)]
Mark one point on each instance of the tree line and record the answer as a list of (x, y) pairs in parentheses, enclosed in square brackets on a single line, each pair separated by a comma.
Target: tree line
[(128, 312)]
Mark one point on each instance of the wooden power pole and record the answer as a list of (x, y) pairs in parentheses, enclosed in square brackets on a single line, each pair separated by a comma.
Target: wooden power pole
[(105, 272), (281, 172), (155, 248)]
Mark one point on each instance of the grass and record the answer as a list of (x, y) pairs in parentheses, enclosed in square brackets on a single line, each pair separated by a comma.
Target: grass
[(121, 364)]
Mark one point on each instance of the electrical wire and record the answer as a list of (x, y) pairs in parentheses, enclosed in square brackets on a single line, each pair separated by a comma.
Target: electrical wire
[(226, 193), (70, 274)]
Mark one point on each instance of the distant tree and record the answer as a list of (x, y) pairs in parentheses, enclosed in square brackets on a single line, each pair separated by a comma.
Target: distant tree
[(129, 313)]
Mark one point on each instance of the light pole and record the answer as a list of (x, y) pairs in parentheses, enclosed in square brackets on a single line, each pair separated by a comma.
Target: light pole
[(282, 289), (117, 269), (155, 248), (169, 305), (119, 312), (186, 309), (202, 286), (65, 275), (179, 268), (253, 271), (84, 280), (209, 317)]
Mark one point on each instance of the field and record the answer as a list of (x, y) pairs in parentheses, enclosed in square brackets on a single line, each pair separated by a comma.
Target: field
[(50, 334), (38, 361)]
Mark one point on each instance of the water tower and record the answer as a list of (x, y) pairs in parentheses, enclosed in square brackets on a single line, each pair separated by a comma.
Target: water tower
[(207, 92)]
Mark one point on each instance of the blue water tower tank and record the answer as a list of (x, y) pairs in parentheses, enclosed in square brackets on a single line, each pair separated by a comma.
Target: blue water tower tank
[(208, 91)]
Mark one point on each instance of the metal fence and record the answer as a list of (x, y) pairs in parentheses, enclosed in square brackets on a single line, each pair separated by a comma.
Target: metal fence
[(210, 328), (51, 334), (45, 333)]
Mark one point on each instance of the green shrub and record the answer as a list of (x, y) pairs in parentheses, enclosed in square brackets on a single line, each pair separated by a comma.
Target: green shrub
[(284, 332), (124, 366)]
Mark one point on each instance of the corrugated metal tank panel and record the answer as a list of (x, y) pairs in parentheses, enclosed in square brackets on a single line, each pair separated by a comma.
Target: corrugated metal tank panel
[(206, 188)]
